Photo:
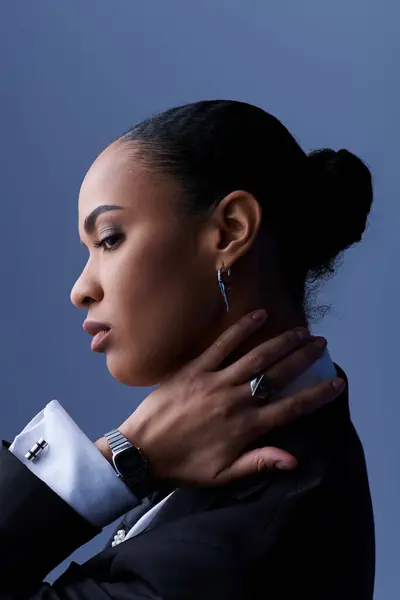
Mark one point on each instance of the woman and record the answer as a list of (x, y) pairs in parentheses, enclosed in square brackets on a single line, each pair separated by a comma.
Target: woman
[(192, 219)]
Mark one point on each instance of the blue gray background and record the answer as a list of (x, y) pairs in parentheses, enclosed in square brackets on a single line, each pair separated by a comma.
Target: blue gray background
[(77, 73)]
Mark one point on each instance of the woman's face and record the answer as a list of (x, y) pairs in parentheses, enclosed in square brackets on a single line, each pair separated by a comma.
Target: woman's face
[(152, 281)]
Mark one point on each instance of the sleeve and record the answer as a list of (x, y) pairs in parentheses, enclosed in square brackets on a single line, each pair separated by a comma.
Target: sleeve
[(38, 530), (73, 467)]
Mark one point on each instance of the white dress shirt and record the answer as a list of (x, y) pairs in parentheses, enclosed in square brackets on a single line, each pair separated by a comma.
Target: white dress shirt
[(73, 467)]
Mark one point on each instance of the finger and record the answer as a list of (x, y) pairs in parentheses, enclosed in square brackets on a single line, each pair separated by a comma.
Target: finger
[(263, 356), (291, 408), (256, 461), (294, 364), (230, 340), (288, 369)]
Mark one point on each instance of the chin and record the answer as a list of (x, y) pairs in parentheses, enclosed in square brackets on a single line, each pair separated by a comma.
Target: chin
[(133, 373)]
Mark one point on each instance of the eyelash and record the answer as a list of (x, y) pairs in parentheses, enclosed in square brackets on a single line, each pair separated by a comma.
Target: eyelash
[(101, 244)]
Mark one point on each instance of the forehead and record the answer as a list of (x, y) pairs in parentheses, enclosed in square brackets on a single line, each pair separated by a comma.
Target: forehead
[(118, 176)]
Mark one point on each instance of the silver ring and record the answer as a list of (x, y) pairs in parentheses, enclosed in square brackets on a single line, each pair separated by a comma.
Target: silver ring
[(261, 388)]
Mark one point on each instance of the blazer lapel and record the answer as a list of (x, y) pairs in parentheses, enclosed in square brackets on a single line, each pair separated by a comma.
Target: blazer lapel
[(131, 517), (188, 501), (184, 502)]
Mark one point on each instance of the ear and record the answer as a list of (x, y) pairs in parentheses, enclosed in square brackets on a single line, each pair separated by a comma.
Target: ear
[(237, 221)]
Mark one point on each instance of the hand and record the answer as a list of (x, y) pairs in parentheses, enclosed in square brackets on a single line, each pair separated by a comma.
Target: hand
[(194, 428)]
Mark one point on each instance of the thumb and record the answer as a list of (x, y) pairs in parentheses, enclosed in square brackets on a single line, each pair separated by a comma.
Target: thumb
[(257, 461)]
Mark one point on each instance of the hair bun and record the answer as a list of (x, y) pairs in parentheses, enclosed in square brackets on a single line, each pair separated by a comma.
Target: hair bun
[(340, 203)]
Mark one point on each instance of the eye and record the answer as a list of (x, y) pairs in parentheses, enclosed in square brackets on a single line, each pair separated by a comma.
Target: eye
[(109, 242)]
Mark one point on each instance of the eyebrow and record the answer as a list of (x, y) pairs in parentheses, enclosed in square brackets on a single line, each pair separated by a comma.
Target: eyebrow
[(90, 221)]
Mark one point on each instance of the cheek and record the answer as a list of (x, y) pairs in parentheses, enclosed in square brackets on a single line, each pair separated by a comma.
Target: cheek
[(166, 309), (149, 274), (159, 266), (165, 292)]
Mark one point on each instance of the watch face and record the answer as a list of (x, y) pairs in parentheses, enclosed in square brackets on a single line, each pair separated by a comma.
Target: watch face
[(129, 462)]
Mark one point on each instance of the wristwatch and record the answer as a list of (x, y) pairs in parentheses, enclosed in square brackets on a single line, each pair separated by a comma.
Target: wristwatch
[(129, 463)]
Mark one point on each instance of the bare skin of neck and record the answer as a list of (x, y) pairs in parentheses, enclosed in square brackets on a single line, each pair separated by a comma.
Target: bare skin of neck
[(247, 295), (280, 318)]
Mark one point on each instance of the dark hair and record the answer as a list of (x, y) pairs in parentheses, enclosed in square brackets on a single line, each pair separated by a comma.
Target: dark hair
[(317, 205)]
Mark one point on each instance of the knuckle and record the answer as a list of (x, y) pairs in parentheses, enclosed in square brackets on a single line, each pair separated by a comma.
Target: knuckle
[(282, 374), (199, 387), (194, 387), (268, 463), (326, 393), (210, 383), (242, 427), (292, 338), (313, 350), (256, 360), (221, 413), (242, 326), (260, 464), (278, 379), (220, 408), (303, 357), (316, 398), (246, 321), (295, 408), (219, 342), (205, 471)]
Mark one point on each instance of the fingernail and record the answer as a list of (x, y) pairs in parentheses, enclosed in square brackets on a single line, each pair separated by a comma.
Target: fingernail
[(283, 466), (338, 385), (303, 334), (259, 315), (320, 342)]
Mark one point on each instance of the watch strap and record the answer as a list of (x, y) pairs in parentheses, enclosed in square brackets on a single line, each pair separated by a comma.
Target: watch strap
[(139, 483), (117, 441)]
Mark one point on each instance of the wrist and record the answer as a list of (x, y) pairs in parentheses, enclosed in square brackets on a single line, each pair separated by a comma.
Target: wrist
[(144, 486), (104, 447)]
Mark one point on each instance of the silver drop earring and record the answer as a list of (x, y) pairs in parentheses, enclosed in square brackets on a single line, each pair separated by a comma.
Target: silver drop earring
[(224, 287)]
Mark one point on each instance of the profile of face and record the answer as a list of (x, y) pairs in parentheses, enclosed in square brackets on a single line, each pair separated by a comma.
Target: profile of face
[(151, 275), (171, 202)]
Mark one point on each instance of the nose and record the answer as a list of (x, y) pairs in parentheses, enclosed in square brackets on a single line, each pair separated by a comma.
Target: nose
[(86, 290)]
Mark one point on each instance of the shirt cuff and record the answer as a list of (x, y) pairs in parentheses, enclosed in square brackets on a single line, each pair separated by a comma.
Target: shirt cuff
[(73, 467)]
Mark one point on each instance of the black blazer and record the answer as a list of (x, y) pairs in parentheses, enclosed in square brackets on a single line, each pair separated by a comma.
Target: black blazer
[(285, 535)]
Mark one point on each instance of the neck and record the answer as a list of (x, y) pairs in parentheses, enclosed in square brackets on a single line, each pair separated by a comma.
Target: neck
[(281, 317)]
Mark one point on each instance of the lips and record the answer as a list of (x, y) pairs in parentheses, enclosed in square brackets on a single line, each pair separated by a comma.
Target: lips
[(100, 333)]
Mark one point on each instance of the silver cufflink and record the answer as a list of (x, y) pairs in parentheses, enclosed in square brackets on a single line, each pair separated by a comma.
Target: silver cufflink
[(35, 451), (119, 537)]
